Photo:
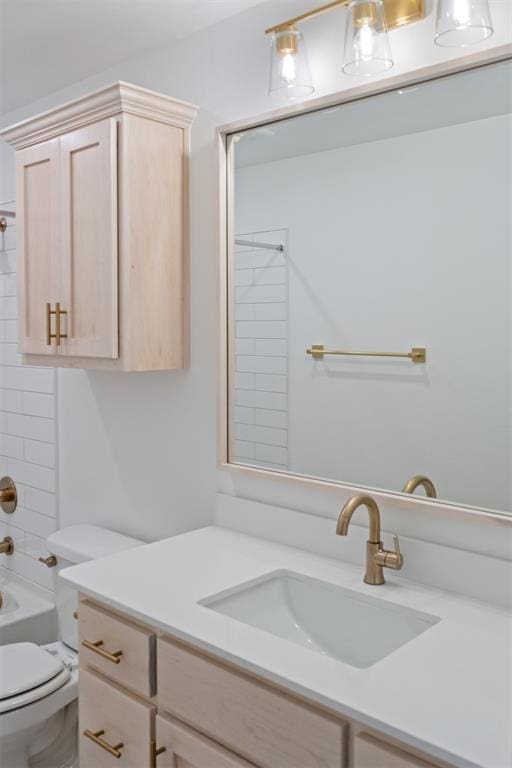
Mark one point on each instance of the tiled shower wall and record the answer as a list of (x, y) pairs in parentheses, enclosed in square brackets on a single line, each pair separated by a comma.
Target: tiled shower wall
[(27, 433), (260, 410)]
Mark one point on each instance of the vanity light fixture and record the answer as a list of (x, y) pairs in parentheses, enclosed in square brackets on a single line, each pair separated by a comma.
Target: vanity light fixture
[(367, 49), (289, 66), (462, 22)]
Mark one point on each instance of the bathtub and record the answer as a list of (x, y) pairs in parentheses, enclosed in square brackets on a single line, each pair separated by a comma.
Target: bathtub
[(27, 613)]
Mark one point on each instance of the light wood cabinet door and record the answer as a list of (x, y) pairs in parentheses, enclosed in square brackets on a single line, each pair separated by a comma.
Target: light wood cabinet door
[(182, 747), (38, 268), (116, 728), (118, 648), (252, 719), (373, 753), (88, 187)]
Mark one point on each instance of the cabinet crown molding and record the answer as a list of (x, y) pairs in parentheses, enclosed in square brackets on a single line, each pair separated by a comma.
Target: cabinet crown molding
[(107, 102)]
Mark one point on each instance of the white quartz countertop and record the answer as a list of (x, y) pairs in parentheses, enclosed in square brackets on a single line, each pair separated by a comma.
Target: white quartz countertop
[(448, 692)]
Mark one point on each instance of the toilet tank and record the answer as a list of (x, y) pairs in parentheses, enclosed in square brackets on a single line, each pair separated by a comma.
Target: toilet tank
[(71, 546)]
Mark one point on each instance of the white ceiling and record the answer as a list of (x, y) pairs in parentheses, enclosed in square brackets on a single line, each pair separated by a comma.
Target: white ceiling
[(46, 45)]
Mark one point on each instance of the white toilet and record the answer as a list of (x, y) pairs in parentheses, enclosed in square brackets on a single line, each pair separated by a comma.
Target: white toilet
[(39, 684)]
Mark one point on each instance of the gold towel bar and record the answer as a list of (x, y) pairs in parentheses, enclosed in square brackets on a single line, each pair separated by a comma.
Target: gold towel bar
[(417, 354)]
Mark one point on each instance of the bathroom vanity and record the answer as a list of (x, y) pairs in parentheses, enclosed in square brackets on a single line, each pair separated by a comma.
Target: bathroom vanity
[(188, 658)]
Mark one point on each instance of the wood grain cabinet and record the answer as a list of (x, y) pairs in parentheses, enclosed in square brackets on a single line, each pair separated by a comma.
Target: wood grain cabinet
[(102, 199), (205, 713)]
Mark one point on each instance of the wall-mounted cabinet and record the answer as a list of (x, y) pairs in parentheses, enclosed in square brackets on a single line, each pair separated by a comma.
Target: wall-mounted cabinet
[(102, 211)]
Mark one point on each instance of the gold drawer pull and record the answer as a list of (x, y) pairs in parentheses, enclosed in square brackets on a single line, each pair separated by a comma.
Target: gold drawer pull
[(115, 656), (112, 750)]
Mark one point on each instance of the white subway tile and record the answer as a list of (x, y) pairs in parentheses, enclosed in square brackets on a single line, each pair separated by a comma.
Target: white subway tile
[(243, 450), (244, 312), (270, 383), (271, 311), (267, 465), (12, 447), (255, 294), (36, 499), (8, 308), (10, 330), (260, 258), (265, 418), (270, 275), (7, 260), (28, 379), (261, 364), (244, 381), (36, 404), (35, 546), (244, 346), (31, 474), (10, 400), (271, 453), (3, 422), (266, 435), (33, 522), (30, 568), (271, 347), (243, 415), (244, 276), (32, 427), (8, 238), (9, 354), (262, 330), (256, 399), (8, 284), (39, 453)]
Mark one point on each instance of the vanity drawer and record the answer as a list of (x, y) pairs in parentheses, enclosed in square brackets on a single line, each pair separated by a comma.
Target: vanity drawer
[(264, 725), (185, 748), (373, 753), (122, 725), (122, 650)]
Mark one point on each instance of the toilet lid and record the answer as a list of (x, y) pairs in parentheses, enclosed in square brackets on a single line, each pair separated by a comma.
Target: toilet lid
[(25, 666)]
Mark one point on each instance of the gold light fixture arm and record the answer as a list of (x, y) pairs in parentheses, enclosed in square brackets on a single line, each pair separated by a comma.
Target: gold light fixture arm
[(417, 354), (398, 12)]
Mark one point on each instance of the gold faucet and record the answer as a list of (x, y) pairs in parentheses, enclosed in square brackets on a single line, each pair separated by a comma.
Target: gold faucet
[(423, 480), (377, 558), (6, 546)]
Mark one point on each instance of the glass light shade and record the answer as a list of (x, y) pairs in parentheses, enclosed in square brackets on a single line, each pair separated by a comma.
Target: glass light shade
[(462, 22), (289, 68), (367, 49)]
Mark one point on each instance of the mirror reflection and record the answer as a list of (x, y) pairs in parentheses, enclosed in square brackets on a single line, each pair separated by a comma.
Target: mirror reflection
[(369, 297)]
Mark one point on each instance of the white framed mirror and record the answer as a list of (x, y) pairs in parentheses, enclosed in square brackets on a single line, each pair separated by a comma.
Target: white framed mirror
[(366, 276)]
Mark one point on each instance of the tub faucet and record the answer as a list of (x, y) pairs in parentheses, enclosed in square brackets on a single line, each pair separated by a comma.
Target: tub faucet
[(377, 558), (6, 546)]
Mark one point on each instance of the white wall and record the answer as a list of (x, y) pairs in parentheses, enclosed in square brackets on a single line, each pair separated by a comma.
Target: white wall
[(27, 433), (138, 452), (390, 246)]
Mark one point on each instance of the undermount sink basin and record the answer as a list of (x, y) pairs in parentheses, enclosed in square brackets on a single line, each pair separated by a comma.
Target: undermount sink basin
[(323, 617)]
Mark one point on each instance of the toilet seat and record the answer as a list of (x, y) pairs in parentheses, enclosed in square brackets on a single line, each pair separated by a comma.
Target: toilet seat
[(29, 673)]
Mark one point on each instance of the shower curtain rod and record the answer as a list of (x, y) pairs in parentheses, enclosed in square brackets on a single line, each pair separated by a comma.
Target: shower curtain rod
[(267, 246)]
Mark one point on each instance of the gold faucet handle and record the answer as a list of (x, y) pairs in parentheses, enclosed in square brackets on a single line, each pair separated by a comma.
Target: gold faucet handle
[(398, 554), (388, 559)]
